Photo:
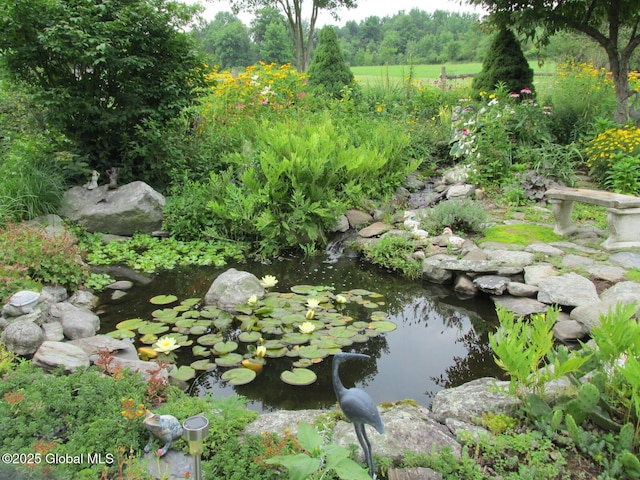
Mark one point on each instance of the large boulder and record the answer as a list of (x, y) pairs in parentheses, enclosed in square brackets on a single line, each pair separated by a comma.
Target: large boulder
[(52, 355), (233, 288), (569, 289), (22, 337), (135, 207)]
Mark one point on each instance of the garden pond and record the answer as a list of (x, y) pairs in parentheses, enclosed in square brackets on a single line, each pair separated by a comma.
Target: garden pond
[(431, 338)]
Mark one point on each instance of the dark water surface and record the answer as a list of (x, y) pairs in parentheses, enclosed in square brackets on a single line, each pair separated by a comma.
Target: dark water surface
[(440, 342)]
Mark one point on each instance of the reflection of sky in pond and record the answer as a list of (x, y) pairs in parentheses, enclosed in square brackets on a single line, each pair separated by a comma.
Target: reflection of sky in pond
[(440, 342)]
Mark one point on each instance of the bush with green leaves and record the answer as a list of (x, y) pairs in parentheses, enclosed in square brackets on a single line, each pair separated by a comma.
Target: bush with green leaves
[(394, 252), (286, 190), (328, 72), (504, 64), (460, 215), (102, 69), (31, 257)]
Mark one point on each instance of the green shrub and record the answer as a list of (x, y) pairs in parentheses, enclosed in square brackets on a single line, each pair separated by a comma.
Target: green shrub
[(328, 72), (504, 64), (396, 253), (463, 216), (30, 254)]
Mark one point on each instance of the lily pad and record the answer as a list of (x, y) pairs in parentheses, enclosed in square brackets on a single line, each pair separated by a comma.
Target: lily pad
[(360, 338), (295, 338), (298, 376), (131, 324), (277, 353), (198, 330), (190, 302), (223, 348), (223, 322), (153, 328), (378, 316), (209, 339), (311, 351), (383, 326), (203, 365), (184, 373), (121, 334), (185, 323), (305, 289), (148, 338), (360, 291), (166, 315), (342, 332), (239, 376), (191, 314), (229, 360), (249, 337), (200, 351), (255, 364), (303, 363), (163, 299)]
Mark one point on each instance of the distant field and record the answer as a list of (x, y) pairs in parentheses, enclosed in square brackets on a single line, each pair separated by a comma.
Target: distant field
[(390, 75)]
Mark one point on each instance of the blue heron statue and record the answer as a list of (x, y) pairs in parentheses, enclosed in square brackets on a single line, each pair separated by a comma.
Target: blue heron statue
[(357, 406)]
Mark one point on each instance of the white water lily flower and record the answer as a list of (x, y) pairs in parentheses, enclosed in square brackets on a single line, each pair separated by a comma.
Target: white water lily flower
[(268, 281), (307, 327), (261, 351), (165, 345), (310, 314), (341, 299), (313, 303), (253, 299)]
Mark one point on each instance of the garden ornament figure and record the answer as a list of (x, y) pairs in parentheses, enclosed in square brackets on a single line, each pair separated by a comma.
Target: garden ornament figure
[(93, 183), (358, 407), (167, 428), (113, 178)]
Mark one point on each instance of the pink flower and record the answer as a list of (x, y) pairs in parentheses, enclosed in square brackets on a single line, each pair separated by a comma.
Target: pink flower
[(515, 95), (301, 95), (465, 132), (525, 91), (239, 107)]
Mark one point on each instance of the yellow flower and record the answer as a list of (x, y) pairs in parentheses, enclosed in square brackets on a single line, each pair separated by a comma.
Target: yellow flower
[(341, 299), (310, 314), (253, 299), (313, 303), (268, 281), (165, 345), (307, 327), (261, 351)]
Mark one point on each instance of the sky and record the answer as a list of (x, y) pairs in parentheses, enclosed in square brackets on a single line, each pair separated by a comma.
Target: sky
[(366, 8)]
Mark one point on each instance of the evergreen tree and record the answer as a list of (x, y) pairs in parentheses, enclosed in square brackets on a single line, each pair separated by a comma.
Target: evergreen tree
[(504, 63), (277, 45), (328, 71)]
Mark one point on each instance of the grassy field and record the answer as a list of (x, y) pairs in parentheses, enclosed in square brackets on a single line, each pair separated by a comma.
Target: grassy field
[(392, 75)]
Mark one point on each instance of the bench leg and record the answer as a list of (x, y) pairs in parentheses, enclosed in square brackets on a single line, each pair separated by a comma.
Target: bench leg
[(624, 228), (562, 210)]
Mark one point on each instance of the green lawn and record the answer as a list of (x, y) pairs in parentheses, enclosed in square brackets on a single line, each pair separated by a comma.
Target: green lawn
[(390, 75)]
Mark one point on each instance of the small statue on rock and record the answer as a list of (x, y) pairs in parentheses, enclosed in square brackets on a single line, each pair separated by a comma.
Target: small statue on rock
[(113, 178), (167, 428), (93, 183)]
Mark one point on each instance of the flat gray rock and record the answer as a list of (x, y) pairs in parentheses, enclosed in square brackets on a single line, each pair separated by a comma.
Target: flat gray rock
[(625, 259), (534, 274), (576, 261), (52, 355), (407, 428), (569, 331), (520, 306), (374, 230), (544, 249), (518, 289), (609, 273), (492, 284), (569, 290), (472, 399)]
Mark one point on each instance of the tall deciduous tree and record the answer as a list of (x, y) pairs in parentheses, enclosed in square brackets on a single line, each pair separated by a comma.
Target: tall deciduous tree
[(613, 24), (104, 68), (294, 11)]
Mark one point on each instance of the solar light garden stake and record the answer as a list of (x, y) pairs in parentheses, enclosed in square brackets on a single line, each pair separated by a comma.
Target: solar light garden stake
[(195, 430)]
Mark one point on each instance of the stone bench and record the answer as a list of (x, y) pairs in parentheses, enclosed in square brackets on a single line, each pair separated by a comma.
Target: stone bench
[(623, 214)]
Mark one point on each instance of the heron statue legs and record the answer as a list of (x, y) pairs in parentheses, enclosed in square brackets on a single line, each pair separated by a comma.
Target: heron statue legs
[(358, 407)]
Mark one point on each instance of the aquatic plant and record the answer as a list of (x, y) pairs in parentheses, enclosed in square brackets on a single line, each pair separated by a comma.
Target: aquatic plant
[(307, 324)]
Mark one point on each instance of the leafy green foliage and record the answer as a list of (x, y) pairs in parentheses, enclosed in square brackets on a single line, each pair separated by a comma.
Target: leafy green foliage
[(328, 71), (31, 254), (149, 254), (103, 68), (460, 215), (506, 64), (317, 458), (396, 253), (520, 234)]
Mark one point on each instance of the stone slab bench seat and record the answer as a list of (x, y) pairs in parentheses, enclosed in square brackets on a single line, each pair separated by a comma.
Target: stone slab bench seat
[(623, 214)]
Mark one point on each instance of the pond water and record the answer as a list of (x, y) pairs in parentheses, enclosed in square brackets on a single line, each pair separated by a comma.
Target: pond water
[(440, 340)]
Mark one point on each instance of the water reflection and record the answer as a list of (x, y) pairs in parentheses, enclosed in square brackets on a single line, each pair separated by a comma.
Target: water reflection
[(440, 342)]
